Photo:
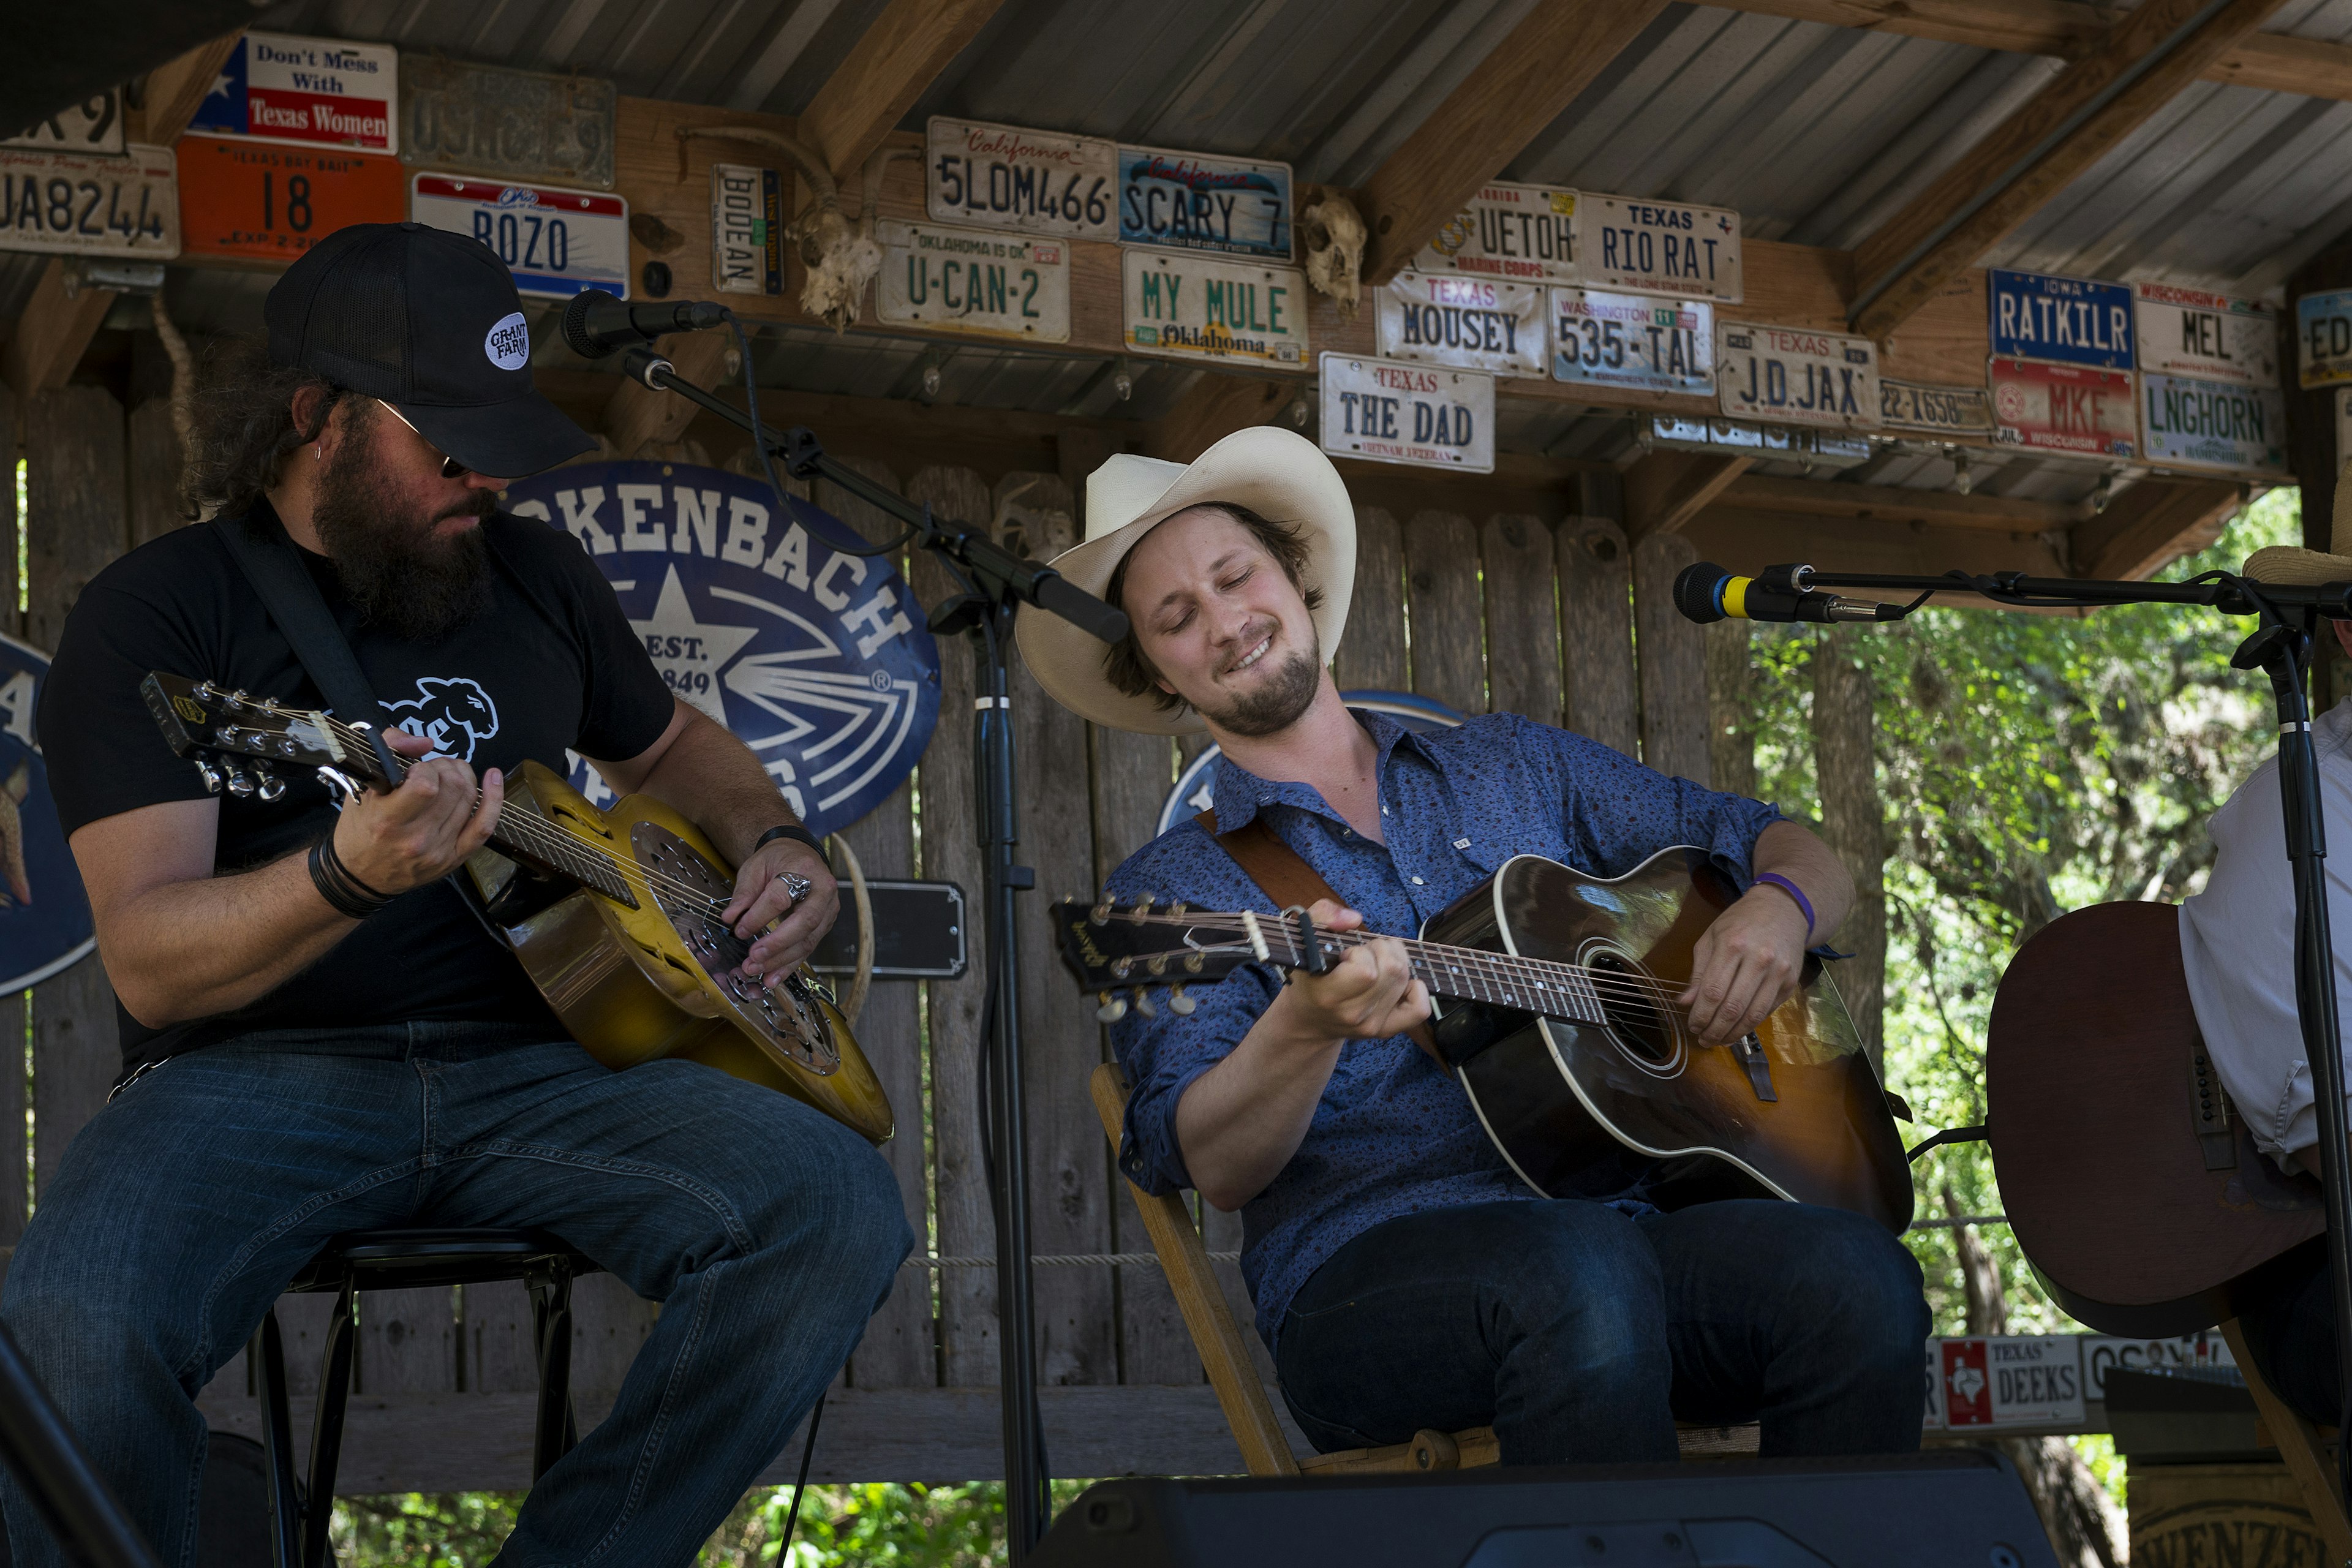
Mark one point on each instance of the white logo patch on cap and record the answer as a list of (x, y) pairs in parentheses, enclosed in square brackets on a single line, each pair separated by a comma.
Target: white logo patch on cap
[(509, 344)]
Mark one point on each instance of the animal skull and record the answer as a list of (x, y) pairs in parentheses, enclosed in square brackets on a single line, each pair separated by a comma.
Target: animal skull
[(838, 252), (1335, 237)]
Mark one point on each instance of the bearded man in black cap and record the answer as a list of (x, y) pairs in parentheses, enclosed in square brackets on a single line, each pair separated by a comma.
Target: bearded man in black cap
[(318, 1036)]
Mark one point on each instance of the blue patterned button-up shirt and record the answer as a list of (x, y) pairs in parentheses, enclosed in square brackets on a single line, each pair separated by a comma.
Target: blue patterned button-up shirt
[(1393, 1134)]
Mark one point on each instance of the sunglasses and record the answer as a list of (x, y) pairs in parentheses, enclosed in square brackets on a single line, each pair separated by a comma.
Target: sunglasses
[(451, 468)]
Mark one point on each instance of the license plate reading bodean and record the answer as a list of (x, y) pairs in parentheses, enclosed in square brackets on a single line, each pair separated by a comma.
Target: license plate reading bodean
[(1001, 177), (557, 243), (1658, 248), (1390, 412), (1783, 375), (69, 205), (987, 283), (1181, 304)]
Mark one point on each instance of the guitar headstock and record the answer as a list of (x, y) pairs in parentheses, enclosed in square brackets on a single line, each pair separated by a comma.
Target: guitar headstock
[(240, 743), (1138, 947)]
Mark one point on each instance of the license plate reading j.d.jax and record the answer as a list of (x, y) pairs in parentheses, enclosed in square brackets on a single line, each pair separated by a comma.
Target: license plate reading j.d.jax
[(1781, 375), (557, 243), (1658, 248), (1633, 340), (989, 284), (1001, 177), (1181, 304)]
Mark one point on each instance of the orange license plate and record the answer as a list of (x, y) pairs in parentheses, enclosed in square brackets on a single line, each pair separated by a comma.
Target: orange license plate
[(265, 203)]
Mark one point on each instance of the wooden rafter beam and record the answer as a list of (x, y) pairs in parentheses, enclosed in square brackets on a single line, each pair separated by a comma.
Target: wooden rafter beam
[(1484, 123), (901, 55), (1888, 504), (2066, 30), (1216, 407), (1665, 489), (2136, 68), (2151, 525)]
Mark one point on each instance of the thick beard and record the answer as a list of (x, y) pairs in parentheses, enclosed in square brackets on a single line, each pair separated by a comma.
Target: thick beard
[(400, 576), (1277, 702)]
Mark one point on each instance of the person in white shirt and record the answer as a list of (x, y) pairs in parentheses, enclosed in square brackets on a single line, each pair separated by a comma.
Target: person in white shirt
[(2237, 944)]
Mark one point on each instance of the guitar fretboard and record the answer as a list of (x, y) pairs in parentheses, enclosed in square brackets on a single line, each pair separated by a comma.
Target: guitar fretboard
[(1470, 973)]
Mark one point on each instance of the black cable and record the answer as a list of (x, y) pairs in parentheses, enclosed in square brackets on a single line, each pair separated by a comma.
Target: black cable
[(800, 1488), (767, 464)]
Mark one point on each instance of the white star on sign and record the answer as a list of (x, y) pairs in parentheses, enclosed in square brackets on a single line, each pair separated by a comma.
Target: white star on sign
[(221, 85), (691, 653)]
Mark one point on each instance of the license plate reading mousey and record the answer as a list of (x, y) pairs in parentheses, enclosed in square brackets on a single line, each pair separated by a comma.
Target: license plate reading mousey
[(1783, 375)]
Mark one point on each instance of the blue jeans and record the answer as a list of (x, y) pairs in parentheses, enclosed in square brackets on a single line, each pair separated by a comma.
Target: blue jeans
[(2287, 1310), (767, 1232), (1581, 1334)]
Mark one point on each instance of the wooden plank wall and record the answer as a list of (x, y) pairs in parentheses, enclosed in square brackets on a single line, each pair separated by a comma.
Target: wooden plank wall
[(1518, 610)]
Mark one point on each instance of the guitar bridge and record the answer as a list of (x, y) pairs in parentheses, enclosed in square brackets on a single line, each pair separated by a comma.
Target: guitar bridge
[(1751, 1052)]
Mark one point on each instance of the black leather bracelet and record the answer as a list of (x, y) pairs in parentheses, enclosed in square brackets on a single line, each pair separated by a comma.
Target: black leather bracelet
[(338, 887), (794, 831)]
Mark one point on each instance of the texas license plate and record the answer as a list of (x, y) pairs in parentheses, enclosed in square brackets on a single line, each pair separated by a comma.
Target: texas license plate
[(260, 202), (1633, 340), (989, 284), (1783, 375), (1658, 248), (69, 205), (557, 243), (1412, 413), (1473, 323)]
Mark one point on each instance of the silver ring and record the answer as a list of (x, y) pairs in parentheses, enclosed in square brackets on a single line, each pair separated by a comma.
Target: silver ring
[(796, 887)]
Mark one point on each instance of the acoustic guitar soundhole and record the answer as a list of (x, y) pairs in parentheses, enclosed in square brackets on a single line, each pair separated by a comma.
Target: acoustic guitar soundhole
[(1632, 999)]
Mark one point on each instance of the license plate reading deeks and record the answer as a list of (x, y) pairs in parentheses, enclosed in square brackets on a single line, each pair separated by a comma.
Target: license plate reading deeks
[(1658, 248), (1781, 375), (990, 284), (69, 205), (1000, 176), (1412, 413), (2064, 408), (557, 243)]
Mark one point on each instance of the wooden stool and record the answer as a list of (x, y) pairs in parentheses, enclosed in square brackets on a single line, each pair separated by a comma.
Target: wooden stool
[(2303, 1447), (1242, 1395)]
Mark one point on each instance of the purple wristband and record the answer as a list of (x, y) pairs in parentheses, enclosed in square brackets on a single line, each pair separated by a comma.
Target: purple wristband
[(1794, 891)]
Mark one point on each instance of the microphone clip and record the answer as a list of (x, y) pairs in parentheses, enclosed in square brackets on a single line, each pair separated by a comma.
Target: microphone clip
[(642, 365)]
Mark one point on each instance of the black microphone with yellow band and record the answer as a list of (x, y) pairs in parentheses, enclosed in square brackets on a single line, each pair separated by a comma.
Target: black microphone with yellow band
[(1706, 593)]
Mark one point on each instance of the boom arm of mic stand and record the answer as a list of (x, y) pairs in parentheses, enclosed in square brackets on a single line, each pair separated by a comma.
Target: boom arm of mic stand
[(1002, 576)]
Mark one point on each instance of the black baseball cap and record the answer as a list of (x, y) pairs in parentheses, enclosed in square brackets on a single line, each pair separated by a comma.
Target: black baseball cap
[(429, 322)]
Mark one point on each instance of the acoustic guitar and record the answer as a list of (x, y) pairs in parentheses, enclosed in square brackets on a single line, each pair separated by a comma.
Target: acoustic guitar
[(1555, 1011), (612, 914), (2133, 1186)]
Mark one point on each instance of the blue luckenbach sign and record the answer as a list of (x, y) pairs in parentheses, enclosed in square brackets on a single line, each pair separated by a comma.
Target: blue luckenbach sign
[(816, 658), (45, 922), (2071, 320)]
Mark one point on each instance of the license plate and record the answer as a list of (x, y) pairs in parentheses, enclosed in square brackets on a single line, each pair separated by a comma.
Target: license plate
[(1472, 323), (319, 92), (1001, 177), (2206, 337), (987, 283), (2212, 424), (1785, 376), (69, 205), (259, 203), (1526, 233), (531, 127), (746, 218), (2064, 408), (1389, 412), (2322, 338), (1181, 304), (1236, 206), (1633, 340), (557, 243), (2072, 320), (1658, 248), (94, 125), (1942, 410)]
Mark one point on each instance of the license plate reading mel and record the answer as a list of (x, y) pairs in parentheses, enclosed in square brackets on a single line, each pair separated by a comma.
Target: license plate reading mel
[(557, 243), (1410, 414), (69, 205), (2210, 337), (1631, 339), (1001, 177), (1785, 376), (990, 284)]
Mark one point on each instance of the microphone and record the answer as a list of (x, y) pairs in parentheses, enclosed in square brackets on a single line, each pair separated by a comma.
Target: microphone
[(596, 324), (1706, 593)]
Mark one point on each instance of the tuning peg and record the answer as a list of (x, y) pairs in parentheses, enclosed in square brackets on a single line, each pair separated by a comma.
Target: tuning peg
[(238, 784), (1113, 1008), (210, 775), (1179, 1003), (1178, 909), (1100, 914), (235, 701), (271, 787), (1139, 910), (1143, 1007), (1157, 963)]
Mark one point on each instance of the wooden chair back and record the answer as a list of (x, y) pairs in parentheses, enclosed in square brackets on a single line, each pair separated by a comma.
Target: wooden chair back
[(2303, 1447)]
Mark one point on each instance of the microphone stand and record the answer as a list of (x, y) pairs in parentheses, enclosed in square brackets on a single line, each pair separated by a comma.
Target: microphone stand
[(995, 584), (72, 1499), (2289, 617)]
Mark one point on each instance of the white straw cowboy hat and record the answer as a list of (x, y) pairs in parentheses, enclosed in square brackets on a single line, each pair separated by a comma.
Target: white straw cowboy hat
[(1282, 477), (2293, 564)]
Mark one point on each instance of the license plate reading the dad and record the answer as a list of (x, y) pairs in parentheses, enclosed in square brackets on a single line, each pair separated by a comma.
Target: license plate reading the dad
[(1181, 304), (1472, 323), (1001, 177), (1633, 340), (989, 284), (1785, 376), (1658, 248), (68, 205), (1526, 233), (1412, 413), (1234, 204), (557, 243)]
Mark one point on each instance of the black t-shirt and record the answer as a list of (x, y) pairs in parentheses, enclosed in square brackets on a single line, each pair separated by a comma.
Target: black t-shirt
[(552, 663)]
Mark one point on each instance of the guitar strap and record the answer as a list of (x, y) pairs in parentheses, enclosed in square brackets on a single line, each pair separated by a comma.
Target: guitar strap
[(1282, 875)]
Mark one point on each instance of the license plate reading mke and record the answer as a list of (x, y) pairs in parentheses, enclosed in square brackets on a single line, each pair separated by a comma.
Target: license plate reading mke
[(69, 205), (1785, 376)]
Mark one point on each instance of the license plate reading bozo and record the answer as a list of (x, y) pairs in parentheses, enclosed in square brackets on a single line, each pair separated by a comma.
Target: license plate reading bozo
[(1786, 376), (557, 243), (1395, 412), (989, 284)]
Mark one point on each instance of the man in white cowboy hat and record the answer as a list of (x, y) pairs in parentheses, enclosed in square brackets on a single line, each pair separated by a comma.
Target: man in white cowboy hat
[(2237, 944), (1404, 1277)]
